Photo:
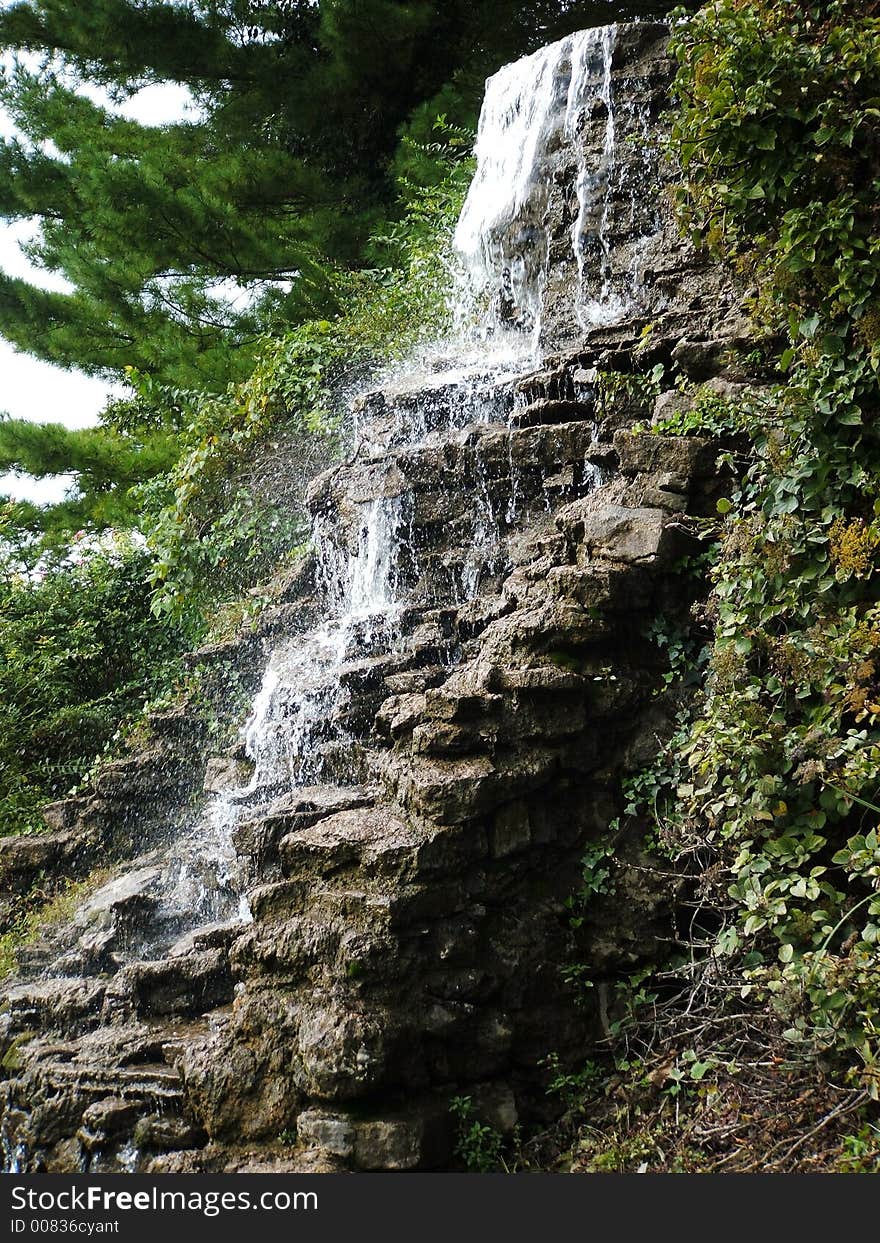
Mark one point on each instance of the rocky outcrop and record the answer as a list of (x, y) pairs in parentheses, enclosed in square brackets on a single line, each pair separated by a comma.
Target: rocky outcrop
[(410, 939), (409, 931), (409, 910)]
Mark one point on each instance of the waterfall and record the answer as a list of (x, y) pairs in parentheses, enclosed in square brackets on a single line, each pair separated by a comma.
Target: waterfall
[(422, 730), (291, 723), (296, 734), (520, 108), (532, 109)]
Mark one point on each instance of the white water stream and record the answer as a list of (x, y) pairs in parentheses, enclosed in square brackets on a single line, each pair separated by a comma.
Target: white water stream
[(530, 109), (292, 717)]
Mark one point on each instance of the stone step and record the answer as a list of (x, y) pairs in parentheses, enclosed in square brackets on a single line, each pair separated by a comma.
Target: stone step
[(63, 1004), (548, 411), (84, 1078), (371, 839), (256, 839), (187, 984)]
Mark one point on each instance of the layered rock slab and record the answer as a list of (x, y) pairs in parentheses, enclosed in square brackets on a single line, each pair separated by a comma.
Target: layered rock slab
[(410, 913)]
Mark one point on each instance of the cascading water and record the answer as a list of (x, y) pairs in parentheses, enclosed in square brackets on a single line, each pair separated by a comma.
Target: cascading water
[(591, 62), (295, 735), (291, 723), (532, 108), (200, 885)]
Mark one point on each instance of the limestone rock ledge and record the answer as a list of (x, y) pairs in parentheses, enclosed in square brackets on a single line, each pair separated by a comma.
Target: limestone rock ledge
[(410, 929), (410, 914)]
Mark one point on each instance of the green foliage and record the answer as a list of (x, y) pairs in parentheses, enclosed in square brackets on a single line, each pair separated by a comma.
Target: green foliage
[(641, 388), (776, 133), (687, 1070), (572, 1086), (681, 647), (402, 302), (861, 1152), (33, 924), (231, 505), (100, 457), (773, 770), (623, 1156), (106, 463), (478, 1146), (596, 878), (150, 227), (79, 651), (702, 412)]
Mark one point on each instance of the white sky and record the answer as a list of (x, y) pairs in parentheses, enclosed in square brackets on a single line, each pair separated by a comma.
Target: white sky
[(31, 389)]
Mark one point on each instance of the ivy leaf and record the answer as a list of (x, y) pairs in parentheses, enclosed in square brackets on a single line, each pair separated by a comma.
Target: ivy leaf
[(698, 1070)]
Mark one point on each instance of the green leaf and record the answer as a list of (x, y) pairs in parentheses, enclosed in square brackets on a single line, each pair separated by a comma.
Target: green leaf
[(699, 1069)]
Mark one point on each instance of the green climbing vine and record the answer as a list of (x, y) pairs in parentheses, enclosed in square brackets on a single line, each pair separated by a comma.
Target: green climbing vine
[(776, 132), (763, 807)]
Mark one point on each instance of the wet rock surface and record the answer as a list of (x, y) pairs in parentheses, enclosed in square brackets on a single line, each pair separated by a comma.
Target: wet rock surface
[(407, 864), (408, 930)]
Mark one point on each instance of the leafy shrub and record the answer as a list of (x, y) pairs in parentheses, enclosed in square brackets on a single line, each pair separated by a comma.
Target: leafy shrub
[(478, 1146), (776, 133), (777, 136), (231, 506), (80, 651)]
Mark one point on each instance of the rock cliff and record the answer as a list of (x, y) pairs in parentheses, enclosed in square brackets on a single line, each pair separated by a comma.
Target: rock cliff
[(446, 703)]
